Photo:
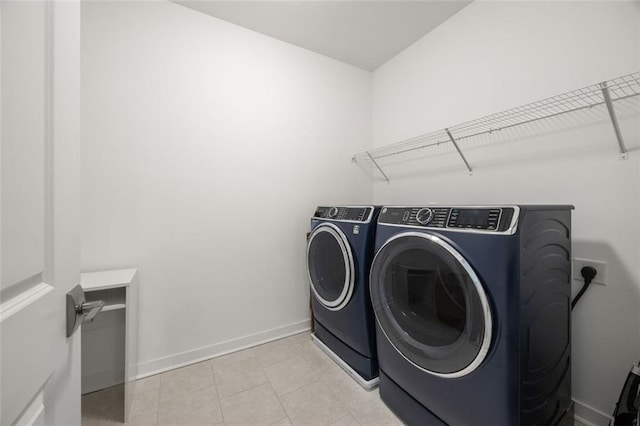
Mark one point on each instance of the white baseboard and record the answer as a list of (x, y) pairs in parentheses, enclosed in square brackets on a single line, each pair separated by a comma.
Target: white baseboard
[(160, 365), (590, 416)]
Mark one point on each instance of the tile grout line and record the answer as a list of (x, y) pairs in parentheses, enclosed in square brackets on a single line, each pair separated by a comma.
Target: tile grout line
[(167, 373), (300, 353), (276, 393), (284, 410), (213, 375), (317, 380), (159, 394), (278, 398), (243, 390)]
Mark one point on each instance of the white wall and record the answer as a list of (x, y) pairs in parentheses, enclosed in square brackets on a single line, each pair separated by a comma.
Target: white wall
[(492, 56), (206, 146), (206, 149)]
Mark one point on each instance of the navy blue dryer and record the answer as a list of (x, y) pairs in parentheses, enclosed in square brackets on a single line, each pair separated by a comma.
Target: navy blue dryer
[(339, 253), (472, 309)]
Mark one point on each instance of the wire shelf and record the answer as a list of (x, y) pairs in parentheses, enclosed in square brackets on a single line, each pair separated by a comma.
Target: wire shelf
[(601, 94)]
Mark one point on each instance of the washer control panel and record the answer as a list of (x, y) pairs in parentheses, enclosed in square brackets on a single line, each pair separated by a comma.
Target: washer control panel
[(474, 218), (490, 219), (349, 214)]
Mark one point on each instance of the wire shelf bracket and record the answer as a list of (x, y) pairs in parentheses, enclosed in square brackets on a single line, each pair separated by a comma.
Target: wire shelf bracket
[(466, 163), (614, 120), (378, 166), (606, 93)]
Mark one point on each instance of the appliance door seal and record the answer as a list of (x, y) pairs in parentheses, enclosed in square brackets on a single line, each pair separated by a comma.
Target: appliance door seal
[(330, 266), (430, 304)]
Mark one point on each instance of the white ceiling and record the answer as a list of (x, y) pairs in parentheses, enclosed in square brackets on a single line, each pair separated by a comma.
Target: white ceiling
[(362, 33)]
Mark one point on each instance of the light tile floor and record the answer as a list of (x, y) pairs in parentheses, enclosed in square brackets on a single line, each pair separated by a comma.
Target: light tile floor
[(288, 381)]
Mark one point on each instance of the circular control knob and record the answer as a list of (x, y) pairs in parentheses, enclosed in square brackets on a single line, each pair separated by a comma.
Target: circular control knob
[(333, 212), (424, 216)]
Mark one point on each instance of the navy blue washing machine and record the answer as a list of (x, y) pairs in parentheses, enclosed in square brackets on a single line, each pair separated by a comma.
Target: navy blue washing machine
[(339, 253), (472, 308)]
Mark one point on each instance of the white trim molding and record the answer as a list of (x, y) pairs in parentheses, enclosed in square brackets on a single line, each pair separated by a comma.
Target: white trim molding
[(33, 415), (590, 416), (160, 365), (19, 302)]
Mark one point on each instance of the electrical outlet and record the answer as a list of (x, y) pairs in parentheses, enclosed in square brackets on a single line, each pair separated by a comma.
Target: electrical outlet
[(600, 278)]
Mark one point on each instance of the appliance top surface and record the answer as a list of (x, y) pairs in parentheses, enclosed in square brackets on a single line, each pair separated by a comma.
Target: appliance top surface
[(356, 214), (491, 205), (478, 219), (483, 219)]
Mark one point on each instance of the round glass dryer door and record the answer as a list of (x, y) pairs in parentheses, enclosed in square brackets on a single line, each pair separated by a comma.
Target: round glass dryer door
[(430, 304), (330, 266)]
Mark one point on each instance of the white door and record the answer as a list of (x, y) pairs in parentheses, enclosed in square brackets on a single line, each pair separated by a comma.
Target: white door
[(39, 205)]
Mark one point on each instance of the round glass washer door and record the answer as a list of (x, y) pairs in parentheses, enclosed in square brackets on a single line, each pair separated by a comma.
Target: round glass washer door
[(430, 304), (330, 266)]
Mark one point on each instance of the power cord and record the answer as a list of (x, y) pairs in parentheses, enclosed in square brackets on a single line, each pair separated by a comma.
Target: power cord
[(588, 273)]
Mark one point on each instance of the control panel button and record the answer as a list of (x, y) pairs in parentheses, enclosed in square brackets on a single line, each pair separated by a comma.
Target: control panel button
[(333, 212)]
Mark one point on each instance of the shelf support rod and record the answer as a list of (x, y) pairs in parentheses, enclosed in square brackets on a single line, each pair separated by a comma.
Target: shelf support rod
[(614, 120), (376, 164), (459, 152)]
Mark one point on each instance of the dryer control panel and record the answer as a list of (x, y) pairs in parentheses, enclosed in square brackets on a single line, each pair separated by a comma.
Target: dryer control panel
[(347, 214), (484, 219)]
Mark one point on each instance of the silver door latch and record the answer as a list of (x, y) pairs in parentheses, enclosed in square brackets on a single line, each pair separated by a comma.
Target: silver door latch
[(79, 310)]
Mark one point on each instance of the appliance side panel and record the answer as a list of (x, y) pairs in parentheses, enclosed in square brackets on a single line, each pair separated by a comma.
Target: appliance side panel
[(545, 296)]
